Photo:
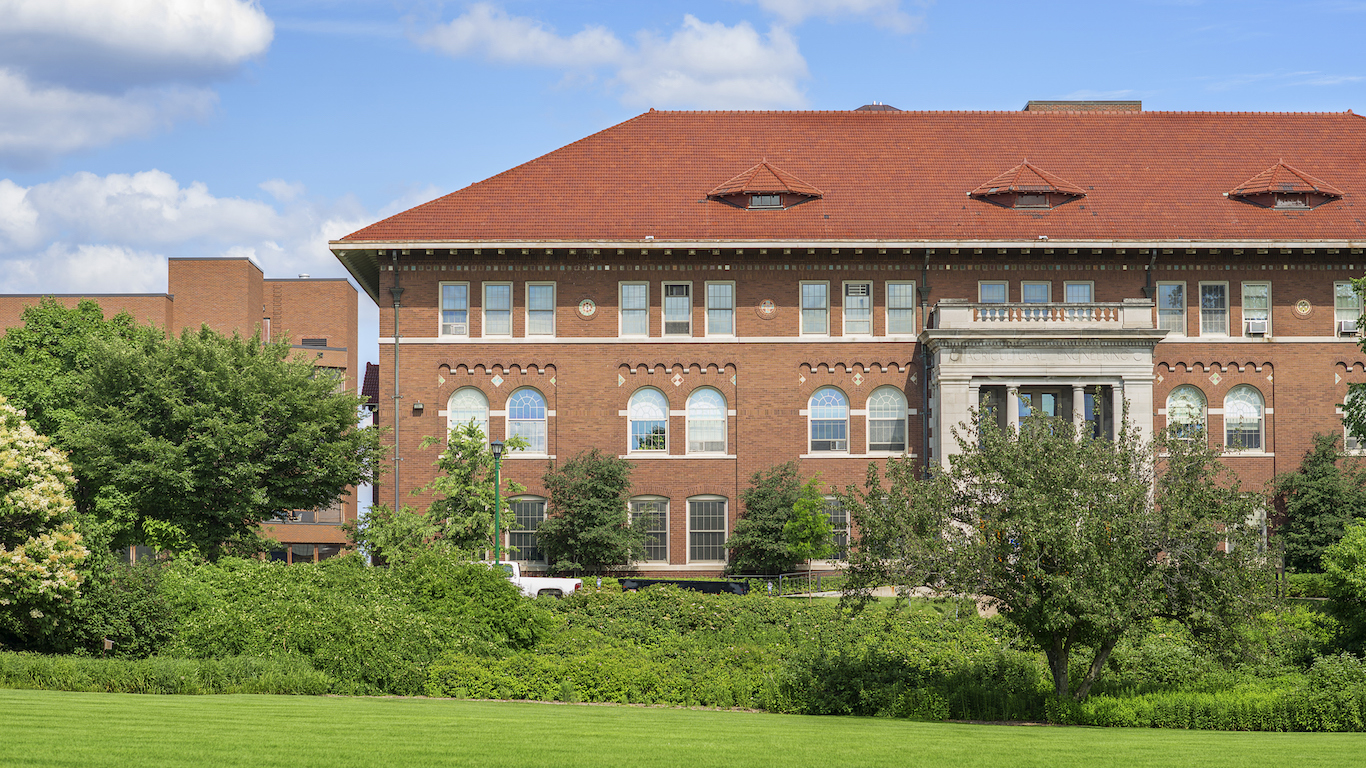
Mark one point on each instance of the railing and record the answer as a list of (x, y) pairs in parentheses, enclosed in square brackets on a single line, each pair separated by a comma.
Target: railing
[(1047, 313)]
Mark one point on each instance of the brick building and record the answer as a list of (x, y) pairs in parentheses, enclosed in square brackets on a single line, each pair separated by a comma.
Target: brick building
[(711, 293), (317, 316)]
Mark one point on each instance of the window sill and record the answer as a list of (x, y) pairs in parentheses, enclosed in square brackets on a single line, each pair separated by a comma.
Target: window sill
[(1247, 454), (651, 456), (541, 456)]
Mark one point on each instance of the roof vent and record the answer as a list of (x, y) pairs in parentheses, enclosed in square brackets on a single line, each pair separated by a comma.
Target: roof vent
[(765, 186), (1282, 186), (1028, 186), (1084, 106)]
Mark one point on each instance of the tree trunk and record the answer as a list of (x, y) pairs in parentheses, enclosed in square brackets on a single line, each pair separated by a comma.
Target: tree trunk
[(1058, 653), (1097, 664)]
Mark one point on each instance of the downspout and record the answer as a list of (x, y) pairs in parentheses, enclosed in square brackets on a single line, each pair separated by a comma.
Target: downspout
[(923, 292), (1150, 290), (397, 293)]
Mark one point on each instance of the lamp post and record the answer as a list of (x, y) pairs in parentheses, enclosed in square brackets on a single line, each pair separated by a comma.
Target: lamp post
[(496, 447)]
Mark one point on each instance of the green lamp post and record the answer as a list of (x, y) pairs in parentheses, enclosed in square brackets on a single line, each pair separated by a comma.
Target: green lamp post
[(496, 447)]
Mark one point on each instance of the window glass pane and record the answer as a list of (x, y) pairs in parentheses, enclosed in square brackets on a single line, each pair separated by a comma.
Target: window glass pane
[(900, 308), (858, 308), (302, 553), (677, 310), (706, 530), (839, 527), (814, 304), (649, 417), (540, 319), (1213, 310), (1171, 308), (1034, 293), (527, 515), (466, 404), (635, 317), (455, 310), (706, 422), (1256, 303), (497, 310), (1243, 418), (829, 416), (993, 293), (887, 420), (720, 309), (656, 512), (1186, 410), (1078, 293), (526, 417)]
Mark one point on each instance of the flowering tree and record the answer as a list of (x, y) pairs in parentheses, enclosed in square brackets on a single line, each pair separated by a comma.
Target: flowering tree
[(39, 546)]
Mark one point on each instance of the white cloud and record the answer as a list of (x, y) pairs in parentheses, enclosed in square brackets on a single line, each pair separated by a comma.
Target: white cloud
[(707, 65), (282, 190), (884, 13), (39, 123)]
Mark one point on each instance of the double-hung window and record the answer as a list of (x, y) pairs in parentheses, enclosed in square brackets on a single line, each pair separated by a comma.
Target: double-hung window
[(497, 309), (1257, 309), (900, 308), (706, 529), (707, 419), (540, 309), (527, 418), (465, 405), (654, 511), (1351, 441), (839, 526), (1243, 419), (635, 309), (1346, 309), (720, 309), (1214, 309), (815, 308), (1186, 412), (887, 420), (527, 515), (858, 309), (828, 415), (677, 309), (455, 309), (648, 414), (1171, 308)]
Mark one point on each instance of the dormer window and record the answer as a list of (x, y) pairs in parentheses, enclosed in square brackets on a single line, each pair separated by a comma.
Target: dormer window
[(765, 187), (1284, 188), (1028, 186)]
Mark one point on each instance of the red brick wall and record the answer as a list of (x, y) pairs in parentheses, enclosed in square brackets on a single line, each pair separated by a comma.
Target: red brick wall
[(153, 308)]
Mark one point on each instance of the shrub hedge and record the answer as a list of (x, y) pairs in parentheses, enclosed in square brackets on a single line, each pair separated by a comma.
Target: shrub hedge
[(239, 674)]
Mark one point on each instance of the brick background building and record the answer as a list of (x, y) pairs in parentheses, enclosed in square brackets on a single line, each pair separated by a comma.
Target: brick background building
[(837, 287), (317, 317)]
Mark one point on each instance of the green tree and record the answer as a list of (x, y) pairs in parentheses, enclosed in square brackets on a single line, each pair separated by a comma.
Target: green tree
[(1075, 543), (758, 544), (1318, 500), (807, 532), (40, 549), (463, 509), (899, 530), (1344, 565), (189, 443), (587, 528)]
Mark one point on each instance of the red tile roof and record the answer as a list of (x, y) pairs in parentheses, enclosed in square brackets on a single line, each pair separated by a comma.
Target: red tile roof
[(1282, 178), (765, 179), (901, 176), (1026, 178)]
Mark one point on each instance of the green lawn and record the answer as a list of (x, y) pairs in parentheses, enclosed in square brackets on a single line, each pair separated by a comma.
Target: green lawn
[(85, 730)]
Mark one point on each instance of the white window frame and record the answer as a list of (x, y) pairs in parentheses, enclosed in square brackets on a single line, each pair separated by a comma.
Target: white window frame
[(1047, 291), (844, 308), (440, 310), (664, 308), (1185, 302), (1261, 422), (621, 309), (630, 421), (725, 522), (810, 417), (1203, 423), (452, 421), (545, 423), (1200, 302), (652, 499), (554, 298), (1090, 285), (836, 533), (905, 423), (801, 307), (1005, 284), (1242, 306), (887, 308), (706, 323), (484, 308), (512, 531), (1338, 309), (725, 422)]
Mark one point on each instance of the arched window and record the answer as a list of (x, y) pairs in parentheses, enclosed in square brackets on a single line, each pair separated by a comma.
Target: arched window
[(1186, 411), (1243, 419), (706, 421), (829, 419), (468, 404), (649, 416), (887, 420), (526, 418)]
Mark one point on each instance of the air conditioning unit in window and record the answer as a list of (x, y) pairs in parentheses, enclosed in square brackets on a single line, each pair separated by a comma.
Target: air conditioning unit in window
[(1347, 327), (455, 329), (1256, 327)]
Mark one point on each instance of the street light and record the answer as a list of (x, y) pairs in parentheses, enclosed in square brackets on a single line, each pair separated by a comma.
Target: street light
[(496, 447)]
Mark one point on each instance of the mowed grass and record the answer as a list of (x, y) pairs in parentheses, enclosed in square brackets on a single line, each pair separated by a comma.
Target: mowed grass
[(51, 728)]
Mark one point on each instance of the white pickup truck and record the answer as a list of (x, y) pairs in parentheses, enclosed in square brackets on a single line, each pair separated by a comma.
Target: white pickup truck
[(536, 586)]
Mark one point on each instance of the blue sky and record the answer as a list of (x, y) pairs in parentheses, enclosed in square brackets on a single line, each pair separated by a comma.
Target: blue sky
[(134, 130)]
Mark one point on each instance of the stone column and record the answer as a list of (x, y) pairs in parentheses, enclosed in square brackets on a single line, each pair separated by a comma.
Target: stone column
[(1117, 395), (1079, 407), (1013, 407)]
